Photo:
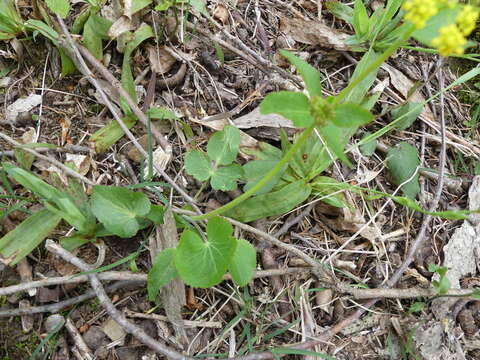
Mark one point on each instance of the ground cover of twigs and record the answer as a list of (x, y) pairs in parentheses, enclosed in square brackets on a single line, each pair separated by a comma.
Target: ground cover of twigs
[(244, 179)]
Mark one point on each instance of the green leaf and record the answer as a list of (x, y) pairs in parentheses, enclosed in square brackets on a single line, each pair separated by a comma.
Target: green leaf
[(59, 7), (402, 162), (225, 178), (138, 5), (222, 147), (432, 28), (243, 263), (409, 113), (26, 236), (358, 93), (156, 214), (143, 33), (255, 170), (327, 188), (443, 284), (476, 294), (68, 65), (44, 29), (203, 264), (417, 306), (351, 115), (271, 204), (340, 10), (336, 140), (199, 5), (310, 75), (162, 272), (117, 209), (292, 105), (360, 19), (164, 5), (25, 159), (111, 133), (198, 165), (162, 113), (80, 21), (94, 31), (369, 147)]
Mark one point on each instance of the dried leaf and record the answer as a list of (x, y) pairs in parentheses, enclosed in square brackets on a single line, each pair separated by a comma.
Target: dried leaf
[(314, 33)]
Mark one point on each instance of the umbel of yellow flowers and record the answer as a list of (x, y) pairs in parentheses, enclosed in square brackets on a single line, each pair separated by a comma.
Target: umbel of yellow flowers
[(452, 37)]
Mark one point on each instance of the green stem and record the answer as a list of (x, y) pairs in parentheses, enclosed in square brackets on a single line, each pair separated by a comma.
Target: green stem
[(374, 65), (264, 181)]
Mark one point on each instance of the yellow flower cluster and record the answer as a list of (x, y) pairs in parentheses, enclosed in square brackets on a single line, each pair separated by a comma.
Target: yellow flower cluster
[(419, 11), (467, 19), (450, 41), (452, 38)]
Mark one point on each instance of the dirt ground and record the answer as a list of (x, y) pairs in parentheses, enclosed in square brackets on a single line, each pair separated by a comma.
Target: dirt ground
[(372, 239)]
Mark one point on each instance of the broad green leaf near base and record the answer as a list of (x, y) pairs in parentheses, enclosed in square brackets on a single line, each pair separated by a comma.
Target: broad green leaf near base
[(162, 272), (117, 209), (351, 115), (111, 133), (293, 105), (310, 75), (198, 165), (336, 140), (402, 162), (244, 262), (409, 112), (21, 241), (273, 203), (255, 170), (95, 30), (223, 146), (203, 264)]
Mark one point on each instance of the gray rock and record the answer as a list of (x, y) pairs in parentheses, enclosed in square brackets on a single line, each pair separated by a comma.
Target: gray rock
[(127, 353), (95, 338), (53, 321)]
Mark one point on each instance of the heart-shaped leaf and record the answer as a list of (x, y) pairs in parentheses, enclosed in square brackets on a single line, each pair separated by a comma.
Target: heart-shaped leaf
[(292, 105), (225, 178), (162, 272), (117, 209), (203, 263), (244, 262), (222, 147), (198, 165)]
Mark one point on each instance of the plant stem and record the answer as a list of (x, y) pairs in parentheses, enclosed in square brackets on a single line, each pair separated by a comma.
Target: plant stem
[(264, 181), (374, 65)]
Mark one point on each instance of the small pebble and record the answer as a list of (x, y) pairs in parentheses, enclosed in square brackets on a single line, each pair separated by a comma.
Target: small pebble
[(53, 321)]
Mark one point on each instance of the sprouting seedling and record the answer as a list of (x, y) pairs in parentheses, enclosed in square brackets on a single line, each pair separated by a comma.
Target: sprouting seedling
[(217, 165), (442, 285)]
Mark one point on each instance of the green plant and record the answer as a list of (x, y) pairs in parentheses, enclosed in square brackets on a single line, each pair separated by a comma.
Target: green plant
[(203, 262), (442, 285), (217, 165), (379, 30), (119, 212), (11, 24)]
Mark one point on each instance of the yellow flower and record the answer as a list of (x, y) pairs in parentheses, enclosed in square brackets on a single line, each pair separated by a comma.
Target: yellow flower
[(418, 12), (467, 19), (450, 41)]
